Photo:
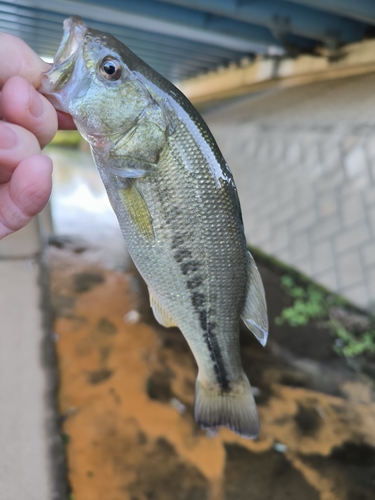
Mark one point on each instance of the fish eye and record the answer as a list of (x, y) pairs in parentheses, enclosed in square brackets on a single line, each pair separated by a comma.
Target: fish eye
[(110, 68)]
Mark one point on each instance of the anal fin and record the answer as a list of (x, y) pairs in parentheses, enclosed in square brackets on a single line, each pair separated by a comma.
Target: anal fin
[(160, 313), (254, 314)]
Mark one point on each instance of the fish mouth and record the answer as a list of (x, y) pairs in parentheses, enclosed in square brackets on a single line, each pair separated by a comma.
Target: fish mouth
[(74, 33), (54, 80)]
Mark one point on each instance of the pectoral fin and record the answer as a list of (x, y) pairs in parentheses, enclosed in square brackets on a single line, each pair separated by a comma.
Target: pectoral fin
[(254, 314), (137, 209), (160, 313)]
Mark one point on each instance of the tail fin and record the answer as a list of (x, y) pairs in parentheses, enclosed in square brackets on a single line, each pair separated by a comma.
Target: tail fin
[(234, 409)]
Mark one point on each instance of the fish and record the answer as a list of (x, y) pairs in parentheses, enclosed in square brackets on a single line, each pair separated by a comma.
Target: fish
[(178, 208)]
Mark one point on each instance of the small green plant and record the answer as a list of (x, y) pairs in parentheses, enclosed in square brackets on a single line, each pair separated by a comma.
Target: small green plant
[(350, 345), (311, 302)]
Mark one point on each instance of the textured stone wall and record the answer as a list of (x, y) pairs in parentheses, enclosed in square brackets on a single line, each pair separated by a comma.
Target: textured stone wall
[(304, 163)]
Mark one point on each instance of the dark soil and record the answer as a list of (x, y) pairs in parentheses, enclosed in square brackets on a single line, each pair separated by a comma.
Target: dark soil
[(263, 476), (317, 412)]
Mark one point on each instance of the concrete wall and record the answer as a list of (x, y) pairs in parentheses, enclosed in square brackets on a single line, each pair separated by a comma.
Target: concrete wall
[(304, 162)]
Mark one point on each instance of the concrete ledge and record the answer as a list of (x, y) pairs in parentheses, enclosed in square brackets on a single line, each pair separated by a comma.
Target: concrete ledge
[(23, 243), (263, 73), (24, 457), (31, 456)]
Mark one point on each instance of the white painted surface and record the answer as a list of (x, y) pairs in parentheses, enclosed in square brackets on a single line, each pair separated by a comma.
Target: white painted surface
[(24, 456)]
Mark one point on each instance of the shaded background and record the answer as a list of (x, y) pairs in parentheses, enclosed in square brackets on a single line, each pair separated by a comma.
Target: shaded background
[(287, 89)]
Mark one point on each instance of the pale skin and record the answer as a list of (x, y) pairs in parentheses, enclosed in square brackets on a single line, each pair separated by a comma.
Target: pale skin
[(27, 123)]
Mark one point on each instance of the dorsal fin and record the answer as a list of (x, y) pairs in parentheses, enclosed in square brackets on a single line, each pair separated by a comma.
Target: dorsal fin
[(254, 314)]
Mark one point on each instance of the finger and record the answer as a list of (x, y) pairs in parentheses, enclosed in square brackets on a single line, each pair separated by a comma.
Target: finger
[(26, 194), (18, 59), (16, 144), (21, 104)]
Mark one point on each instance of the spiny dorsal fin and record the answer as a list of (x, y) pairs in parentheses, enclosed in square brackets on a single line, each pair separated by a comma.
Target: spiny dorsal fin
[(254, 314), (160, 313)]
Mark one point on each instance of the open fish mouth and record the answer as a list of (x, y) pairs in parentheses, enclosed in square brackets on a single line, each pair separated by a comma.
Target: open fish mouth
[(54, 80), (74, 33)]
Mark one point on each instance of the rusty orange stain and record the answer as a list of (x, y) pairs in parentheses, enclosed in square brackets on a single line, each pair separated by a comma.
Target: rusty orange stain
[(112, 424)]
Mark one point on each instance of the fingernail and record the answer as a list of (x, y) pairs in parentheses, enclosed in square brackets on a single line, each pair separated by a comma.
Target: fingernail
[(8, 137), (36, 107)]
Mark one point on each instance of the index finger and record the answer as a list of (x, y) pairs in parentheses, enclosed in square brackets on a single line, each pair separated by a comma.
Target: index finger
[(18, 59)]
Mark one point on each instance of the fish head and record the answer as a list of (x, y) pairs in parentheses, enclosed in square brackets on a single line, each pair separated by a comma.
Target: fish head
[(94, 79)]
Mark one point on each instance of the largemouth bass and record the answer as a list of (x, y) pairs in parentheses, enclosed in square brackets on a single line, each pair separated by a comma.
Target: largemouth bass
[(178, 208)]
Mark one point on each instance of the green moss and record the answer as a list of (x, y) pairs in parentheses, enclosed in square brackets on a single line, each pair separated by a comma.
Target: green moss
[(350, 345), (312, 303)]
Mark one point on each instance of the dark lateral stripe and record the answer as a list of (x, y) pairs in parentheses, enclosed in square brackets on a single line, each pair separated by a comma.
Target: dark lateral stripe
[(198, 299), (189, 267), (182, 254), (216, 357), (194, 282), (177, 241)]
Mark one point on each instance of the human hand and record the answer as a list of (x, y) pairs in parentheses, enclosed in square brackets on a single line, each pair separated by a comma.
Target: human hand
[(27, 123)]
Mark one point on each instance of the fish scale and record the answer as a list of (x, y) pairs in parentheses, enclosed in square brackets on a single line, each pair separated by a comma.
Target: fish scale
[(177, 206), (179, 191)]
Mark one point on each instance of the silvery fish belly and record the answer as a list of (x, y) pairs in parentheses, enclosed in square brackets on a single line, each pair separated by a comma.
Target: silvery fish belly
[(177, 206)]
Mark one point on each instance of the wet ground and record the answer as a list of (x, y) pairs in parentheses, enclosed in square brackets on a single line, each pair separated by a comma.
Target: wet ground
[(127, 386), (126, 398)]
